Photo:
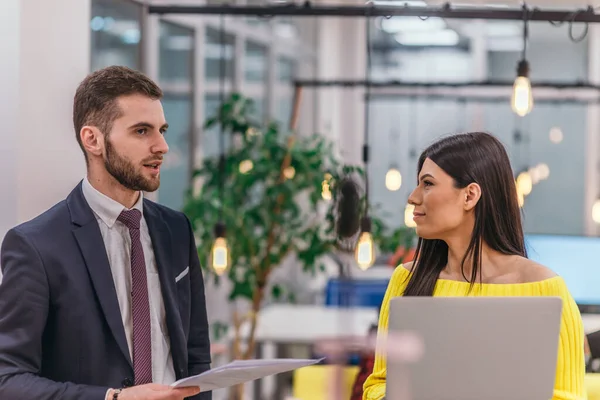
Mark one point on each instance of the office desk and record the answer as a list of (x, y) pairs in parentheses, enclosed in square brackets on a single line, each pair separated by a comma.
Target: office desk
[(305, 324), (284, 324)]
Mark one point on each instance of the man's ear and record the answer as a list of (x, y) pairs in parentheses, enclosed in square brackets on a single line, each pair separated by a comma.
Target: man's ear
[(472, 195), (92, 140)]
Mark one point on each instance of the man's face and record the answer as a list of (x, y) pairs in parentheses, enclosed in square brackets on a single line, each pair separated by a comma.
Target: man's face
[(134, 149)]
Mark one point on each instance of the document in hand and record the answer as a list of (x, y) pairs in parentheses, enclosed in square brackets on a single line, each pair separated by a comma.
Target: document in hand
[(241, 371)]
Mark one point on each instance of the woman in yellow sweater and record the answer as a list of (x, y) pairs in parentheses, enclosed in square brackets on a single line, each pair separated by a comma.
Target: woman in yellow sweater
[(471, 244)]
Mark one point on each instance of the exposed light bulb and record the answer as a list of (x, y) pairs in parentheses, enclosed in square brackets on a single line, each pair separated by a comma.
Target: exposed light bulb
[(325, 190), (556, 135), (393, 179), (289, 172), (219, 253), (524, 183), (219, 256), (544, 171), (408, 216), (520, 198), (365, 251), (522, 96), (596, 211), (246, 166)]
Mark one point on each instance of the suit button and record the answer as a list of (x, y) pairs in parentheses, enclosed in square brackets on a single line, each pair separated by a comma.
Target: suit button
[(127, 383)]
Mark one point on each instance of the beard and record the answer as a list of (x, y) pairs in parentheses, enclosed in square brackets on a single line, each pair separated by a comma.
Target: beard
[(125, 172)]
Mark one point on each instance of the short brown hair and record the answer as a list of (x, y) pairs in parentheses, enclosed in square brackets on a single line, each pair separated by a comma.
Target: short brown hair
[(96, 97)]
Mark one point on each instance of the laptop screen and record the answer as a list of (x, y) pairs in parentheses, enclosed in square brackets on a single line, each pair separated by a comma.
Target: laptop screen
[(575, 258)]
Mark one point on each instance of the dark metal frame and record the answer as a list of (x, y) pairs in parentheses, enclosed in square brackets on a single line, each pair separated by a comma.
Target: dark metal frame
[(456, 97), (478, 99), (406, 84), (445, 11), (454, 85)]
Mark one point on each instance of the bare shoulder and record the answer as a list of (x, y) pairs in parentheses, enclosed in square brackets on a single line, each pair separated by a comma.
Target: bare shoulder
[(407, 266), (531, 271)]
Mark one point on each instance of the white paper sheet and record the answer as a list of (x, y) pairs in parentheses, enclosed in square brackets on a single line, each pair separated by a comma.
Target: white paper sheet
[(241, 371)]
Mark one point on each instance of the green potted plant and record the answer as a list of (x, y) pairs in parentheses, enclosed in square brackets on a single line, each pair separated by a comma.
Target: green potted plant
[(276, 194)]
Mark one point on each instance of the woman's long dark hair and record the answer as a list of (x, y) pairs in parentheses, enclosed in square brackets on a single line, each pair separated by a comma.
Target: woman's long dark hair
[(480, 158)]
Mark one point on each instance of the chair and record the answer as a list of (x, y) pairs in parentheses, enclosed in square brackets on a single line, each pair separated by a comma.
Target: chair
[(592, 386), (315, 382)]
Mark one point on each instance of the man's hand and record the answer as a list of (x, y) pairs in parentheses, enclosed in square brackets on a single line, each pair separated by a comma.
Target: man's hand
[(153, 391)]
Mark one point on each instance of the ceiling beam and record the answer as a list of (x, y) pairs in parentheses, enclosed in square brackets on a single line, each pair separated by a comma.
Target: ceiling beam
[(409, 84), (445, 11)]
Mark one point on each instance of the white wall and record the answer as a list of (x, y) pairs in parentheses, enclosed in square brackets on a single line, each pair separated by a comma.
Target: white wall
[(9, 82), (41, 65)]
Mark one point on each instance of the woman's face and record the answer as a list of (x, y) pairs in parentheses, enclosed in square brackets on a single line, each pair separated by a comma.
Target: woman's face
[(441, 209)]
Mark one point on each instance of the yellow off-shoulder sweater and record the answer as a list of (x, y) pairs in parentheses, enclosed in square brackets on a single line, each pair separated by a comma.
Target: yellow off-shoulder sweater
[(570, 369)]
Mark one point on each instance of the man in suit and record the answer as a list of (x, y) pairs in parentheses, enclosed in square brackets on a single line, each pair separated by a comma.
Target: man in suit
[(102, 296)]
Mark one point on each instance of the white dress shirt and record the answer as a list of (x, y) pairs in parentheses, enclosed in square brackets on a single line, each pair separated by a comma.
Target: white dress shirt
[(117, 242)]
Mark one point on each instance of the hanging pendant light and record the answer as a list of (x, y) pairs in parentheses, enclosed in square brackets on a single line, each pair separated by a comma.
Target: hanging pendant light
[(408, 216), (524, 183), (522, 96), (364, 251), (365, 247), (596, 211), (393, 179), (219, 254)]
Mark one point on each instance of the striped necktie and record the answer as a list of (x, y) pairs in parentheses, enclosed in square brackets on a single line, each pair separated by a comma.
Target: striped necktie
[(140, 306)]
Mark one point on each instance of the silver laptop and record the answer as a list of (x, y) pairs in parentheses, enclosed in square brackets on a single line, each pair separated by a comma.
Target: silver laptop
[(476, 348)]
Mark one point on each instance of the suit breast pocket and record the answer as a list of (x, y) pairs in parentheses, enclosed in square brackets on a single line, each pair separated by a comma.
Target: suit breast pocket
[(183, 274)]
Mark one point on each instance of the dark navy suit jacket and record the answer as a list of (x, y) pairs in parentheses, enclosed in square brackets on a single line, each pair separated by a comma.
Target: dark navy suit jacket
[(61, 333)]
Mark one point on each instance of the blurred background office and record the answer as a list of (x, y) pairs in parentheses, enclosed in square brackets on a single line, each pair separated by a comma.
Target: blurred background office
[(315, 288)]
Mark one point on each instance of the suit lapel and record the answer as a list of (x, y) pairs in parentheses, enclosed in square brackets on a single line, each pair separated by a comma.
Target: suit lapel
[(88, 236), (162, 245)]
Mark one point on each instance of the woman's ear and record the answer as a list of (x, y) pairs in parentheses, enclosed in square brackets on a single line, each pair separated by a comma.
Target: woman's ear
[(472, 195)]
